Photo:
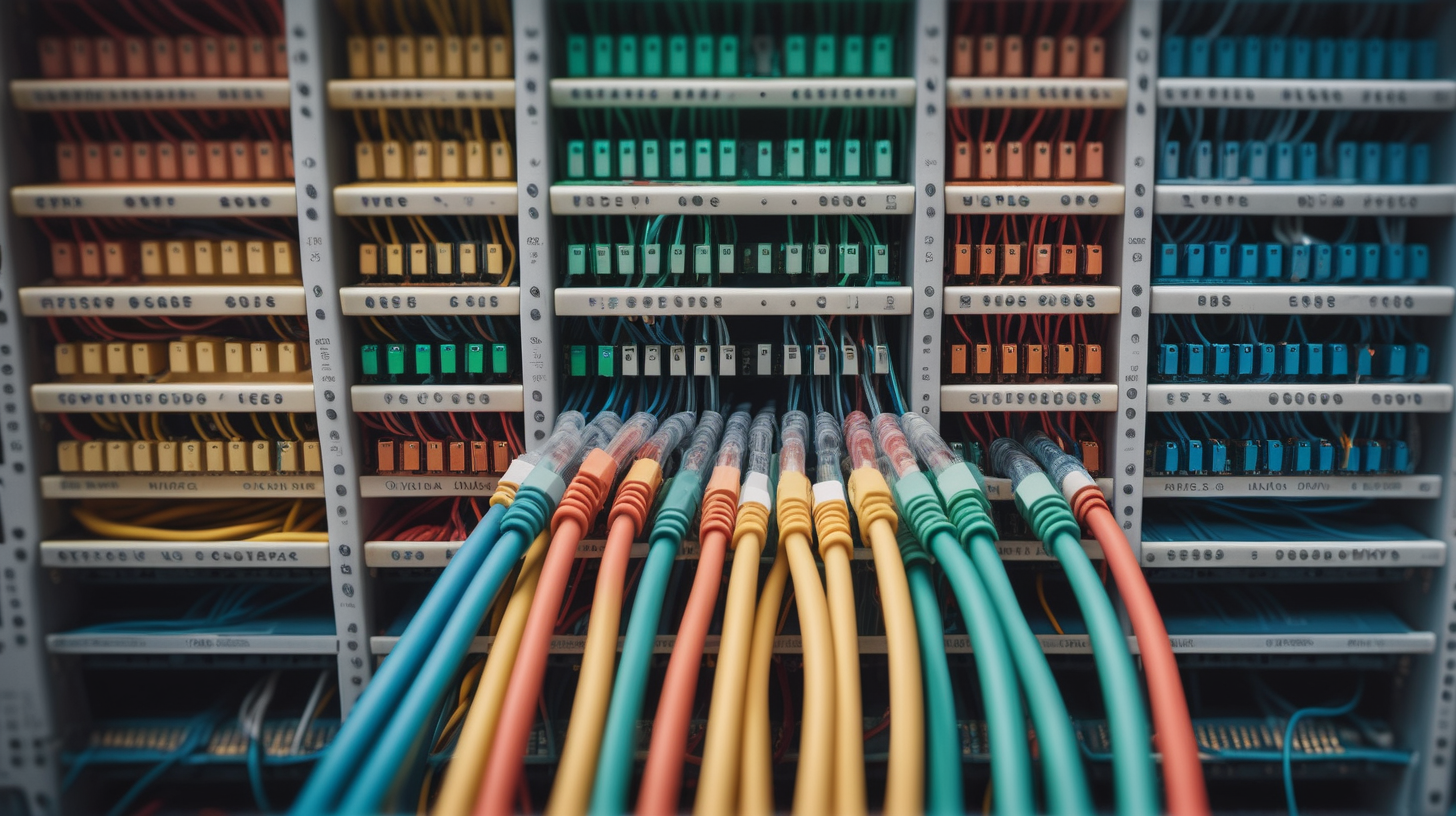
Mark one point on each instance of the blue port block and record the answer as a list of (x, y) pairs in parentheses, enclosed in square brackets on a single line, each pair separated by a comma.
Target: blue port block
[(1168, 457), (1243, 360), (1168, 261), (1284, 161), (1276, 57), (1225, 57), (1301, 456), (1168, 163), (1374, 456), (1299, 262), (1220, 259), (1249, 454), (1195, 456), (1351, 463), (1322, 264), (1393, 261), (1289, 358), (1324, 457), (1314, 360), (1217, 456), (1400, 457), (1248, 261), (1221, 359), (1256, 160), (1168, 360), (1339, 359), (1171, 65), (1274, 456), (1369, 262), (1398, 59), (1200, 52), (1347, 262), (1195, 359), (1418, 261), (1301, 58), (1193, 261), (1266, 360)]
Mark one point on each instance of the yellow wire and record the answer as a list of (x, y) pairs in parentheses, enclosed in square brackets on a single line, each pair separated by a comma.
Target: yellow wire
[(157, 427), (292, 515), (105, 422), (904, 776), (986, 801), (197, 423), (1046, 607), (365, 134), (475, 121), (500, 125), (294, 536), (384, 126), (222, 422), (848, 757), (382, 330), (293, 423), (111, 529), (814, 782), (258, 424), (282, 434), (402, 18), (755, 780), (374, 228), (472, 750), (312, 519), (510, 251), (393, 235)]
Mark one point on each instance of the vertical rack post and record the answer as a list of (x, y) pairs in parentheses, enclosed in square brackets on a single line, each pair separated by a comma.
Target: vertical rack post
[(926, 254), (320, 154), (26, 698), (533, 220), (1133, 358)]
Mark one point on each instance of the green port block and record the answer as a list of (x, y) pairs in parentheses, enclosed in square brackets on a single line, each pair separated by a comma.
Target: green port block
[(602, 48), (627, 158), (424, 364), (703, 260), (394, 359), (652, 56), (577, 364), (884, 159), (824, 55), (576, 159), (765, 159), (500, 359), (794, 158), (882, 55), (475, 358), (369, 359), (703, 55), (449, 358), (854, 57), (626, 55), (677, 56), (651, 159), (677, 259), (601, 158), (823, 158), (576, 56), (576, 259), (796, 55), (851, 158), (728, 56), (606, 361), (727, 158), (703, 158), (602, 259), (677, 158)]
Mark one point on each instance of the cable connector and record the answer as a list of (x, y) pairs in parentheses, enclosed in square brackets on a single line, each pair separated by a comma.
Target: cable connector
[(587, 492), (755, 503), (1043, 508), (870, 494), (531, 511), (1078, 487), (510, 481), (911, 550), (795, 505), (720, 503), (831, 518), (965, 501), (636, 494)]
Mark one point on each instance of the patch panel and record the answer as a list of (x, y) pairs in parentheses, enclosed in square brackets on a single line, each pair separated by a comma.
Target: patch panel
[(1002, 351), (1247, 452), (1293, 250), (1001, 258), (452, 57), (487, 255), (175, 262), (161, 57), (984, 44), (440, 444), (1378, 350), (1043, 151), (430, 362)]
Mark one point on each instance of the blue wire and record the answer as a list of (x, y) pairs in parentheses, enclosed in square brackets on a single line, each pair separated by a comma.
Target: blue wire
[(1287, 753)]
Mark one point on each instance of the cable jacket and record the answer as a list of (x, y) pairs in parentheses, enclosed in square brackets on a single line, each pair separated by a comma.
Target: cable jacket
[(944, 789), (905, 774), (1173, 727), (378, 702), (849, 769), (755, 781), (472, 749), (814, 781)]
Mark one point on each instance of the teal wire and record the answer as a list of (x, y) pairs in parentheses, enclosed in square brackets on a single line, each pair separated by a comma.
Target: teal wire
[(944, 793), (1127, 721), (1005, 719)]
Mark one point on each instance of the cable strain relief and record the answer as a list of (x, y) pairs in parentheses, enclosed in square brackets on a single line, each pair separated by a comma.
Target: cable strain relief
[(911, 550), (635, 495), (752, 520), (831, 518), (794, 505), (720, 503), (920, 506), (583, 498), (869, 493), (529, 513), (679, 506), (1045, 511), (970, 519), (505, 493), (1086, 500)]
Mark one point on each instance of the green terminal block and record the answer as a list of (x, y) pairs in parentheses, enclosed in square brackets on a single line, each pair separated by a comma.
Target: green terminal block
[(475, 358), (651, 259), (703, 55), (794, 158), (394, 359), (602, 259), (606, 361), (577, 366), (369, 359), (823, 158), (882, 55), (703, 260), (854, 56), (677, 259), (884, 159), (848, 260), (626, 55), (703, 158), (576, 259), (725, 259), (601, 158), (821, 259), (627, 159), (765, 259), (652, 55), (880, 261), (793, 259), (727, 158), (851, 158), (576, 56), (651, 167), (677, 158), (823, 55), (500, 359), (626, 259), (765, 159), (424, 363), (602, 55), (449, 359), (677, 56), (796, 56), (728, 56), (576, 159)]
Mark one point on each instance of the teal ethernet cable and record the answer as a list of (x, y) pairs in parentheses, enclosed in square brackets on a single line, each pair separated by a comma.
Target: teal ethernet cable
[(1051, 519), (920, 507), (944, 792), (402, 742), (960, 486), (325, 787), (679, 506)]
